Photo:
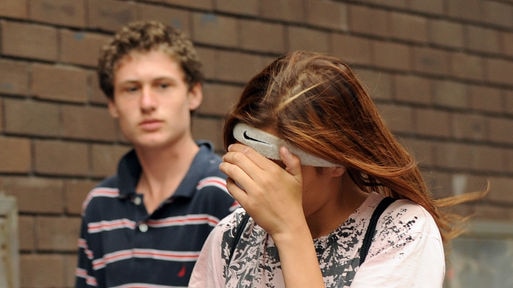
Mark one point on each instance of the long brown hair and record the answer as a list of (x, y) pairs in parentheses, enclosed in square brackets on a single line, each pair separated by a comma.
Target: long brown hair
[(317, 103)]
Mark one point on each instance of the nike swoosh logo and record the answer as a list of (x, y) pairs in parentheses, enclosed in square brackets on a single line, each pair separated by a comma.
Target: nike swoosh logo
[(246, 136)]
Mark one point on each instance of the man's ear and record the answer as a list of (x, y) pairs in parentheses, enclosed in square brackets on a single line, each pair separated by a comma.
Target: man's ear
[(195, 95), (113, 110)]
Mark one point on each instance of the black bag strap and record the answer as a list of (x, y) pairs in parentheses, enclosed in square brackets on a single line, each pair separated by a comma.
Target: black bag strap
[(371, 229), (238, 234)]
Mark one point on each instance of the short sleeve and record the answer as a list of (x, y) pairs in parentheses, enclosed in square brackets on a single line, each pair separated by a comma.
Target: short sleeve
[(209, 269), (407, 251)]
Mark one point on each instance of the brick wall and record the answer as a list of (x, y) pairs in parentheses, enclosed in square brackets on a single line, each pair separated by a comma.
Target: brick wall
[(439, 70)]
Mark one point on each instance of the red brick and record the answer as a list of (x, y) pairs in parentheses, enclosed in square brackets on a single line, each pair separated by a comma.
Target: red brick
[(487, 99), (41, 270), (509, 102), (29, 40), (408, 27), (81, 48), (14, 8), (430, 61), (1, 115), (110, 15), (61, 12), (469, 127), (500, 130), (15, 155), (327, 14), (14, 77), (506, 43), (390, 3), (208, 59), (236, 67), (26, 233), (377, 84), (35, 195), (465, 9), (57, 233), (398, 118), (412, 89), (359, 21), (214, 29), (209, 129), (445, 33), (454, 156), (31, 117), (247, 7), (501, 190), (467, 66), (450, 94), (435, 7), (75, 192), (59, 83), (300, 38), (498, 13), (253, 32), (283, 10), (351, 49), (392, 55), (498, 71), (61, 158), (179, 19), (105, 158), (96, 95), (70, 264), (491, 212), (482, 39), (85, 122), (202, 4), (509, 161), (422, 150), (432, 122), (213, 94), (489, 159)]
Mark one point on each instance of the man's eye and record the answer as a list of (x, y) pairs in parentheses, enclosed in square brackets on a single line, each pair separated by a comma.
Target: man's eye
[(163, 85), (131, 89)]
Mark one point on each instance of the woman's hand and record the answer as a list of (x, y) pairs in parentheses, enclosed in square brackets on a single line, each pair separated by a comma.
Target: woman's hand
[(271, 194)]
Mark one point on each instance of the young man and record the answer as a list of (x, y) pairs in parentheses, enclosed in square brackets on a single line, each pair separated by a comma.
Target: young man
[(145, 226)]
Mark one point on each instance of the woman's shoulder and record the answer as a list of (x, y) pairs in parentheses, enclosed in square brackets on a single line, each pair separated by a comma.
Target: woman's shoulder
[(406, 222), (409, 215)]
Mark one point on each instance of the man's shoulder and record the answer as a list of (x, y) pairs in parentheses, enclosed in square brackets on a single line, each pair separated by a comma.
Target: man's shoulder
[(208, 162), (109, 182)]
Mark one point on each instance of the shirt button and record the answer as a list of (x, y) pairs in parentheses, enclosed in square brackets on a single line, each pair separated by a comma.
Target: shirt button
[(143, 227), (137, 200)]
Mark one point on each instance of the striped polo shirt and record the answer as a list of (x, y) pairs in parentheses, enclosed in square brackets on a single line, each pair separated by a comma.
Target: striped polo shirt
[(121, 245)]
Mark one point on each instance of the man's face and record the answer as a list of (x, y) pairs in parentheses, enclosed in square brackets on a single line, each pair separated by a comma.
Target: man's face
[(152, 101)]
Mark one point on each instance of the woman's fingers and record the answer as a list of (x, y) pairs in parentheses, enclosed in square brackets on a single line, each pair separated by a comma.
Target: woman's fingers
[(256, 158), (292, 162), (237, 192)]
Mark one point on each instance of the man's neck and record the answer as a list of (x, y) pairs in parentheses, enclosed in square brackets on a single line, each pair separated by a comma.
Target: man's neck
[(163, 170)]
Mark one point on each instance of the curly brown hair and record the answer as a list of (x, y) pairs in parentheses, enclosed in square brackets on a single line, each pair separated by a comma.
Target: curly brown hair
[(145, 36)]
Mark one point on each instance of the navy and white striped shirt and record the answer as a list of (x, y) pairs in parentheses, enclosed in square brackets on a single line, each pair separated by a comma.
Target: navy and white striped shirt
[(121, 245)]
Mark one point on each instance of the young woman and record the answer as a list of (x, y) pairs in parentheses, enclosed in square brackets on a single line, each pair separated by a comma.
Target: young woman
[(334, 199)]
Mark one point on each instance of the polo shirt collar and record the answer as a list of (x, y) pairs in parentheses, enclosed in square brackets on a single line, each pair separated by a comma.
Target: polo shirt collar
[(130, 169)]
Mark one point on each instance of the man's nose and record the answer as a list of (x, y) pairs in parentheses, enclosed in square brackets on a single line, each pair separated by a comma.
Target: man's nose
[(148, 100)]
